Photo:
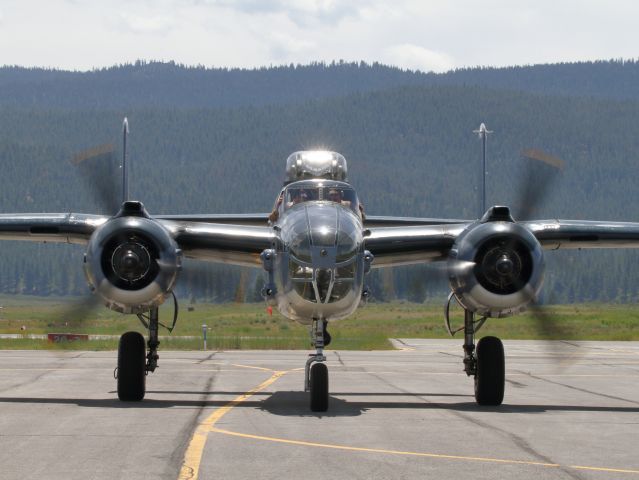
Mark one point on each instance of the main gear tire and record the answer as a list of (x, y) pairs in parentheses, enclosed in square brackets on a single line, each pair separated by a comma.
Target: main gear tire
[(491, 369), (131, 367)]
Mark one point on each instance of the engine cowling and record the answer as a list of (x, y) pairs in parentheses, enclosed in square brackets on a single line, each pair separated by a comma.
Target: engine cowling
[(132, 263), (496, 268)]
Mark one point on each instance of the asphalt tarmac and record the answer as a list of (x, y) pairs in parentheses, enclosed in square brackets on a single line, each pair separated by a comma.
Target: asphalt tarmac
[(571, 411)]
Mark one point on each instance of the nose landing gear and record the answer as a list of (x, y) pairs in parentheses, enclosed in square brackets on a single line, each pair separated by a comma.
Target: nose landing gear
[(316, 372)]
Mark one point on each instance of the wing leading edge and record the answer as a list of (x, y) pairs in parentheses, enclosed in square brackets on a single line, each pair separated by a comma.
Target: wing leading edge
[(414, 244), (50, 227), (232, 244)]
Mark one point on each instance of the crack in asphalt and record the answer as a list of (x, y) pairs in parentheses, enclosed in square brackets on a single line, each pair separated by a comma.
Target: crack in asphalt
[(29, 381), (210, 357), (515, 384), (584, 390)]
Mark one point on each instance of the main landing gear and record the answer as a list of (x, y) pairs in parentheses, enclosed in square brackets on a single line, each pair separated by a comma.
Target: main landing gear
[(316, 372), (485, 362), (134, 363)]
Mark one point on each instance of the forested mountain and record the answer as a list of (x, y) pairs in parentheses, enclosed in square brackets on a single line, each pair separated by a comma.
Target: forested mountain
[(410, 150), (161, 85)]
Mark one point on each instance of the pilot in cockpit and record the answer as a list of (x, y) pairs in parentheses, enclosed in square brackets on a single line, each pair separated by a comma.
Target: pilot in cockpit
[(297, 196), (335, 195)]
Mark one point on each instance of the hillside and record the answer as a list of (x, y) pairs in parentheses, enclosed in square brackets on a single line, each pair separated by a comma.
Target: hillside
[(162, 85)]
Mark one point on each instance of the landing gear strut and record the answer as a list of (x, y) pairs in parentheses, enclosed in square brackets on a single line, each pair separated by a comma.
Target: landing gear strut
[(316, 372), (134, 363), (485, 362)]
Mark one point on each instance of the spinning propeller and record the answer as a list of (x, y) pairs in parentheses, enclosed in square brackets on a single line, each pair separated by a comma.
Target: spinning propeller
[(131, 260), (505, 263)]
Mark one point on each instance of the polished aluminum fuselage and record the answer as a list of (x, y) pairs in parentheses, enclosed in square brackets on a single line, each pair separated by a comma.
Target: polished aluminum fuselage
[(319, 262)]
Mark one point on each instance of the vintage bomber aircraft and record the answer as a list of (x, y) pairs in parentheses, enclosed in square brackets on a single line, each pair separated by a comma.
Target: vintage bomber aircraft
[(316, 248)]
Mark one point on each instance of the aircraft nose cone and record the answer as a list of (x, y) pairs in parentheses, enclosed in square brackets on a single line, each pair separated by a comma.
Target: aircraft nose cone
[(322, 234)]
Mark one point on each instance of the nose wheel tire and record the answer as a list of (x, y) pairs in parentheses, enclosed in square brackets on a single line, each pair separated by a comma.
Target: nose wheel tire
[(490, 376), (131, 367), (319, 387)]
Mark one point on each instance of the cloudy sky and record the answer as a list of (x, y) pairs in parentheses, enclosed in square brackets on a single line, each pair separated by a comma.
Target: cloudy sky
[(416, 34)]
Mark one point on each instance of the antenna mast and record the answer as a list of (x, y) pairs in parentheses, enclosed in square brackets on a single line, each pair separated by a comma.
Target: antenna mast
[(482, 133), (125, 171)]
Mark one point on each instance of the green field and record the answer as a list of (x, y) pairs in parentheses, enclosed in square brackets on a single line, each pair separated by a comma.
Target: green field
[(248, 326)]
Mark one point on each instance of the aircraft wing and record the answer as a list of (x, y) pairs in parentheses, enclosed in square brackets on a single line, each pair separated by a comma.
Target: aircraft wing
[(50, 227), (232, 244), (242, 243), (393, 246), (251, 219), (261, 219), (372, 221), (414, 244), (575, 234), (224, 243)]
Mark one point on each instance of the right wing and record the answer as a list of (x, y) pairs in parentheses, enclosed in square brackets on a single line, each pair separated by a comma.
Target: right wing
[(249, 219), (215, 242), (50, 227), (231, 244)]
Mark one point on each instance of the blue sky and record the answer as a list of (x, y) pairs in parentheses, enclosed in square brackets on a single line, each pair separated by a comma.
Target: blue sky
[(424, 35)]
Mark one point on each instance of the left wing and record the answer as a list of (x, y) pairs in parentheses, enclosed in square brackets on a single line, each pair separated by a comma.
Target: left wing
[(393, 246), (577, 234), (414, 244)]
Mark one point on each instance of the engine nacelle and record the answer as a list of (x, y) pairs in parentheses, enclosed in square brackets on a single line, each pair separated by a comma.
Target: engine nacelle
[(132, 263), (496, 268)]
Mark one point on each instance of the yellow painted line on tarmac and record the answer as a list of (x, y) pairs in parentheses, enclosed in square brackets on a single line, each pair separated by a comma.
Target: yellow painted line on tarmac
[(193, 455), (340, 370), (253, 367), (60, 369), (418, 454), (604, 469)]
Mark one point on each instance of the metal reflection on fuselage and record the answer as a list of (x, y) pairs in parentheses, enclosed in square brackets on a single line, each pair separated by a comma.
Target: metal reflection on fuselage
[(319, 267)]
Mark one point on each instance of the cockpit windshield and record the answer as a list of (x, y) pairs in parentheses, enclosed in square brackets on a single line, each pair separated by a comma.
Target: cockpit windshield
[(337, 192)]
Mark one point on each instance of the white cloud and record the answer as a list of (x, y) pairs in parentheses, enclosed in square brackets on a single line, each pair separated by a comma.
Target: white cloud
[(416, 34), (284, 48), (143, 24), (300, 12), (414, 57)]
